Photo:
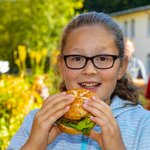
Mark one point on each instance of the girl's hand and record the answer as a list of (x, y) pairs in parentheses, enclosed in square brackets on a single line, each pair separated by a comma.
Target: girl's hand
[(110, 136), (44, 130)]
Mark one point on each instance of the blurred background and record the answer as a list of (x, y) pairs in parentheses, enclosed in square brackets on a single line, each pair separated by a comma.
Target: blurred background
[(29, 44)]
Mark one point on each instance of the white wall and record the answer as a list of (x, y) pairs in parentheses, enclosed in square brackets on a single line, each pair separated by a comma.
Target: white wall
[(141, 38)]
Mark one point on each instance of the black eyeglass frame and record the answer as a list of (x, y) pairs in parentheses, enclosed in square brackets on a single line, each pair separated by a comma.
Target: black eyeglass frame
[(92, 59)]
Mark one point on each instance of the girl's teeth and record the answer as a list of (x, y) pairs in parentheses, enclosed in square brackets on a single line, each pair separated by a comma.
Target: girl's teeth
[(89, 84)]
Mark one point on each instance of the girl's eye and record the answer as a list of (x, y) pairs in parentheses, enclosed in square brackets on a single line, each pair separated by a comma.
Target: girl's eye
[(102, 58), (77, 58)]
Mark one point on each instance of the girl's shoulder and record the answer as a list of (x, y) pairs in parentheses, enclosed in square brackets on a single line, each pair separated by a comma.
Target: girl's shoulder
[(126, 110), (28, 120), (32, 113), (143, 113), (138, 115)]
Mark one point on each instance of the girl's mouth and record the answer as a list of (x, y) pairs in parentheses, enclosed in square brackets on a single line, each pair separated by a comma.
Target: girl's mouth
[(89, 85)]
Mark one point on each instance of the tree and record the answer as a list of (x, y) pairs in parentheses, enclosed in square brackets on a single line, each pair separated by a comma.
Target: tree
[(113, 5), (36, 24)]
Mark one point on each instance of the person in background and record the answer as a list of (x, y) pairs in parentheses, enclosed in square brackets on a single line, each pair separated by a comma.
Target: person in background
[(135, 67), (40, 86), (92, 57)]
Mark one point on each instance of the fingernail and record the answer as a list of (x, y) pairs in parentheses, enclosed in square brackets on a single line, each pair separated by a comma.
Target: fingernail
[(86, 101), (91, 117), (94, 98), (67, 108), (70, 97), (63, 93), (84, 105)]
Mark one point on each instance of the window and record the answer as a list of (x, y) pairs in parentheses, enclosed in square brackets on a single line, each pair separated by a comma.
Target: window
[(126, 28), (148, 29), (132, 28)]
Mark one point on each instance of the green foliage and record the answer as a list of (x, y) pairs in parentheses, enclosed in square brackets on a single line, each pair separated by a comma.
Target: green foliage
[(36, 59), (17, 98), (20, 94), (34, 23)]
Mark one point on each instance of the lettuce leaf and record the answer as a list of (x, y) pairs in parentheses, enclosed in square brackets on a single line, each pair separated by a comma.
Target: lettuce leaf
[(84, 125)]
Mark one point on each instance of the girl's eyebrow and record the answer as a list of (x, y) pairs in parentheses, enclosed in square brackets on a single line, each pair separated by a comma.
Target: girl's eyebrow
[(77, 49)]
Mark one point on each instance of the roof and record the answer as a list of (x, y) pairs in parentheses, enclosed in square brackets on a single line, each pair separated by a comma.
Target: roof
[(132, 10)]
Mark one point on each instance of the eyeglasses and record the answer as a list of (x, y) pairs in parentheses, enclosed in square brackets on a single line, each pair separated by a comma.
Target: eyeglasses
[(104, 61)]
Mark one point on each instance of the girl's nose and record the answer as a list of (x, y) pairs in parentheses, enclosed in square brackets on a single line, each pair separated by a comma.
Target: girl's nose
[(89, 68)]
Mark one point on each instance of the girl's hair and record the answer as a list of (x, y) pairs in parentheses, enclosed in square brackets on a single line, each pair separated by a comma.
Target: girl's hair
[(125, 87)]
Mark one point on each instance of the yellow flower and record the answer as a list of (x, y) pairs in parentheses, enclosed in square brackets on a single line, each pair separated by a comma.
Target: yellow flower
[(54, 55), (38, 57), (32, 54), (22, 53), (44, 52), (17, 62)]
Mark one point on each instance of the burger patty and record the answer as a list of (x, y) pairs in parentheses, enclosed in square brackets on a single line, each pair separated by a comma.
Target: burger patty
[(66, 120)]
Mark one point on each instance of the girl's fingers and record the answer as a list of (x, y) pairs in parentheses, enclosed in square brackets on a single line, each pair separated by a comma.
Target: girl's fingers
[(45, 122), (97, 137), (54, 117), (102, 115), (57, 102), (53, 108), (102, 103), (53, 134), (103, 122), (53, 97), (95, 112), (61, 107), (98, 108)]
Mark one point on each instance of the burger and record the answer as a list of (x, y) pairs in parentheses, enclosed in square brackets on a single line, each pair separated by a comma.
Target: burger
[(76, 120)]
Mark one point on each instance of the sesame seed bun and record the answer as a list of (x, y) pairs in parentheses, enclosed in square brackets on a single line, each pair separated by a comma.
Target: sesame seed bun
[(76, 112)]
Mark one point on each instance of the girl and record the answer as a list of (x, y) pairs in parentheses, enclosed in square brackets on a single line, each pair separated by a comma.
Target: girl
[(92, 57)]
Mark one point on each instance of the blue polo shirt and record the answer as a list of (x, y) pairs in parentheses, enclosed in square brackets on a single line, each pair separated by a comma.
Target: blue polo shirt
[(133, 120)]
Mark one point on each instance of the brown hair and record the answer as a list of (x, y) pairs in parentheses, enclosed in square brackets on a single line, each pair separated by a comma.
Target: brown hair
[(125, 87)]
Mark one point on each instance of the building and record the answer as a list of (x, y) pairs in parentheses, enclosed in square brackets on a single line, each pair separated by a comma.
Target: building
[(135, 23)]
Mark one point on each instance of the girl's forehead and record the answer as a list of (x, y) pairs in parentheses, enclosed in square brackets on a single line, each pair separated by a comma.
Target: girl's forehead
[(91, 38), (91, 33), (91, 27)]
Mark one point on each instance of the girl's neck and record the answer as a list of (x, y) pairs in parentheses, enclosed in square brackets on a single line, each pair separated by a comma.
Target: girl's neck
[(108, 101)]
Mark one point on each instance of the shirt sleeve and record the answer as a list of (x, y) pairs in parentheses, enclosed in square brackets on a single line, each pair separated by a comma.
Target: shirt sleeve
[(20, 138)]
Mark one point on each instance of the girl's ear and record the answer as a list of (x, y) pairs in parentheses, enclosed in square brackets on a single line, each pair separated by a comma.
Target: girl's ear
[(123, 67)]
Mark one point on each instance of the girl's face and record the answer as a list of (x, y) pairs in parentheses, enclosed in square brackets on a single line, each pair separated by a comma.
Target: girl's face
[(90, 41)]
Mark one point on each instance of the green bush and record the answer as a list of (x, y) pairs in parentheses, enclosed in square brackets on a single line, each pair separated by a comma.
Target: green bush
[(16, 99), (33, 23), (18, 96)]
